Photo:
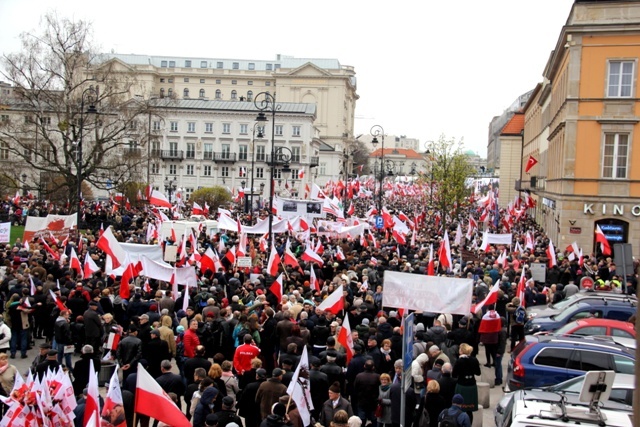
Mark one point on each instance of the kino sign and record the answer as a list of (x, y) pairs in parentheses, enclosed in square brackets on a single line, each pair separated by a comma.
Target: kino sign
[(615, 210)]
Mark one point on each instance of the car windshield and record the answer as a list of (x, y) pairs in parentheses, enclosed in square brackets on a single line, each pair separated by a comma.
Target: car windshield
[(565, 329), (573, 385), (561, 317), (565, 302)]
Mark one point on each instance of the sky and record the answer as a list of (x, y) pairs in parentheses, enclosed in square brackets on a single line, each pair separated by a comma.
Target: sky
[(424, 68)]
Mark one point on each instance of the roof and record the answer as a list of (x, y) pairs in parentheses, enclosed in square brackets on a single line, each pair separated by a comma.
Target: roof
[(515, 126), (203, 104), (406, 152)]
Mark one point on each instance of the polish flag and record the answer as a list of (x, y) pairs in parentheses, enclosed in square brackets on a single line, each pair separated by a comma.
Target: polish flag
[(33, 286), (490, 322), (339, 254), (276, 286), (491, 298), (16, 199), (399, 237), (528, 241), (289, 257), (113, 399), (520, 291), (101, 231), (311, 256), (197, 209), (130, 272), (90, 266), (458, 239), (109, 245), (345, 339), (431, 268), (602, 239), (551, 254), (206, 261), (313, 281), (444, 253), (92, 403), (59, 303), (334, 303), (274, 262), (27, 247), (74, 263), (156, 198), (351, 210), (153, 401), (51, 252), (263, 244), (301, 174), (231, 255), (319, 248), (221, 245), (112, 341)]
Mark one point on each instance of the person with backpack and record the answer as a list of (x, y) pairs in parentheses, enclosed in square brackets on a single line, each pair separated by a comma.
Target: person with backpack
[(518, 317), (454, 416)]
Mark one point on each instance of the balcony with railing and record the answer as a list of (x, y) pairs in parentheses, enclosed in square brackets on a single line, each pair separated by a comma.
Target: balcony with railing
[(314, 161), (168, 154), (224, 157)]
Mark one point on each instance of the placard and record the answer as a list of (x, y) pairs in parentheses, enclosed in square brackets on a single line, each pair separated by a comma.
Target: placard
[(290, 208), (538, 271), (170, 253), (5, 232), (243, 261)]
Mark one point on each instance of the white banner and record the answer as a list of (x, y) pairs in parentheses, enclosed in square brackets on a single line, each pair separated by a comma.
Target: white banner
[(5, 232), (290, 208), (496, 239), (58, 225), (136, 252), (433, 294)]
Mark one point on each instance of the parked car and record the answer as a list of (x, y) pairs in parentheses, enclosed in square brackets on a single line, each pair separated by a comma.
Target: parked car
[(587, 297), (621, 391), (608, 309), (593, 326), (545, 360)]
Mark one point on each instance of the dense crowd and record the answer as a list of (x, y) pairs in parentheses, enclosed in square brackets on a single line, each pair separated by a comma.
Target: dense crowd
[(236, 345)]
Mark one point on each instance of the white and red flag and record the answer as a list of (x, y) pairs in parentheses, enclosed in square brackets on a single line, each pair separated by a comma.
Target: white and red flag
[(74, 263), (197, 209), (289, 256), (276, 287), (153, 401), (334, 303), (491, 298), (51, 252), (110, 245), (92, 403), (311, 256), (57, 301), (551, 254), (490, 322), (431, 268), (274, 262), (345, 339), (313, 280), (90, 266), (156, 198), (444, 252), (605, 247)]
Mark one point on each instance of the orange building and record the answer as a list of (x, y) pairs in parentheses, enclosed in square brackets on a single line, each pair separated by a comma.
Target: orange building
[(582, 124)]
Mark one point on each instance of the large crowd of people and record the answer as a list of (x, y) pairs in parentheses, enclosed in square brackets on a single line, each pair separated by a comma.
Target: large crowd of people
[(236, 345)]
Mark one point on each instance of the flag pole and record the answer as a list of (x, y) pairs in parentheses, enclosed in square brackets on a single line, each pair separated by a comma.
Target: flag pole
[(284, 268)]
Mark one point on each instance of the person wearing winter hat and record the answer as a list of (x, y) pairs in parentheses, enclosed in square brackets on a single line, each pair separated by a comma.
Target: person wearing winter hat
[(455, 412), (227, 415), (334, 404)]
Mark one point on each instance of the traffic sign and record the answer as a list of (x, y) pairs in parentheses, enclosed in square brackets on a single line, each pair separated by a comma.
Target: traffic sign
[(379, 222)]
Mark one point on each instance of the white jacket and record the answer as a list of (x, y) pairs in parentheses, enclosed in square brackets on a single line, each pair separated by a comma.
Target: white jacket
[(4, 329)]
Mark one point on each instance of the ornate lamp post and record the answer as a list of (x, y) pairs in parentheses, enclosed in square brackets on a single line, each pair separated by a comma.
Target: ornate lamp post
[(91, 109), (170, 186), (377, 131)]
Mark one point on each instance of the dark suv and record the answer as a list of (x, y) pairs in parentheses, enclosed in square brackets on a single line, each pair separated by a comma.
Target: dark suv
[(607, 309), (543, 360)]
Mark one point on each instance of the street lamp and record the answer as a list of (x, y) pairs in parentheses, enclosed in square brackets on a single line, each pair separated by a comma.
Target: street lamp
[(257, 133), (170, 185), (246, 199), (261, 191), (90, 110), (24, 184), (266, 102), (377, 131)]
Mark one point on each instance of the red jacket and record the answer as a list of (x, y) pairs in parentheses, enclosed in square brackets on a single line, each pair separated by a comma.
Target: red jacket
[(243, 356), (191, 341)]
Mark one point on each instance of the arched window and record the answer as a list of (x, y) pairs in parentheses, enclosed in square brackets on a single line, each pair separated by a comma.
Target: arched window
[(234, 95), (201, 93), (162, 93), (170, 93), (218, 94), (250, 95), (185, 93)]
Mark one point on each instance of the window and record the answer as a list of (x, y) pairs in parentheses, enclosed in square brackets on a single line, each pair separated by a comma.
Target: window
[(252, 66), (260, 153), (620, 333), (556, 357), (294, 174), (191, 150), (156, 125), (174, 127), (185, 93), (191, 127), (295, 154), (623, 365), (155, 168), (208, 128), (614, 161), (267, 83), (186, 79), (187, 63), (218, 81), (269, 67), (219, 64), (591, 330), (170, 80), (236, 66), (250, 83), (218, 94), (189, 169), (162, 80), (295, 130), (206, 170), (187, 193), (593, 361), (201, 95), (620, 78), (172, 64), (202, 81), (323, 168), (173, 149), (224, 171), (161, 92), (4, 151), (277, 173), (242, 152), (234, 82), (278, 130), (163, 64), (170, 93), (208, 152), (234, 95), (259, 172), (244, 129), (173, 169), (250, 95), (276, 67), (47, 121), (226, 128), (226, 151), (203, 64)]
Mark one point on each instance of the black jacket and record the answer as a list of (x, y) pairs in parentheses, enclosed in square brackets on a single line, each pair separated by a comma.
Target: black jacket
[(129, 350), (154, 353), (62, 331), (171, 383), (366, 388), (92, 324)]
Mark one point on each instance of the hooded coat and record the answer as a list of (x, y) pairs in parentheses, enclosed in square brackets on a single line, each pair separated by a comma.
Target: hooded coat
[(205, 406)]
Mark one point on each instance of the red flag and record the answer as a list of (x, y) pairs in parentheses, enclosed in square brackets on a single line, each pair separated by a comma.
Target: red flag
[(51, 252), (491, 298), (444, 253), (334, 303), (74, 263), (289, 257), (311, 256), (153, 401), (92, 403), (206, 261), (551, 254), (158, 199), (605, 247), (274, 262), (231, 255), (109, 245), (197, 209), (345, 339), (276, 286), (90, 266), (431, 268), (490, 322), (130, 272), (351, 210), (530, 163)]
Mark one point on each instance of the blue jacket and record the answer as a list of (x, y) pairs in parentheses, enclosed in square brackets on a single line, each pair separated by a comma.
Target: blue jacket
[(462, 419)]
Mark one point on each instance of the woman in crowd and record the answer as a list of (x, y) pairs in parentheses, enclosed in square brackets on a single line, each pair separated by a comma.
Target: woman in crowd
[(465, 370)]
